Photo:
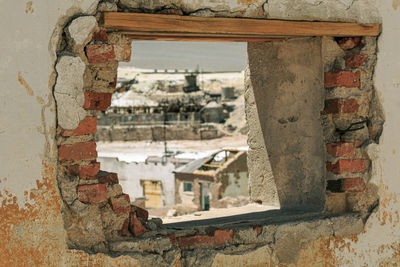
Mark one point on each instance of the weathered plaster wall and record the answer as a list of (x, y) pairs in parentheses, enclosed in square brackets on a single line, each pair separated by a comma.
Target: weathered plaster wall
[(130, 175), (31, 227)]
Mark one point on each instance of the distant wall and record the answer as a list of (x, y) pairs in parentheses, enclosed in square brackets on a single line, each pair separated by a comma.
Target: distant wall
[(130, 175), (157, 132)]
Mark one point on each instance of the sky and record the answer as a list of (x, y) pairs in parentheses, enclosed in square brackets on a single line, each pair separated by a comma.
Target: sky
[(209, 56)]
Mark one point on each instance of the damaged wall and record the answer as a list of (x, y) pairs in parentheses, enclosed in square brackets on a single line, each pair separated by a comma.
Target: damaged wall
[(31, 221), (131, 173)]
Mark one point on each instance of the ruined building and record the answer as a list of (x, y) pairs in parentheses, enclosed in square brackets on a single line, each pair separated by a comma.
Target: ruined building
[(322, 107), (203, 183)]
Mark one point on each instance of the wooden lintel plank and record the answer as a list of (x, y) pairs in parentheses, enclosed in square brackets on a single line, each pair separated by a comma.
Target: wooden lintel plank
[(200, 38), (161, 23)]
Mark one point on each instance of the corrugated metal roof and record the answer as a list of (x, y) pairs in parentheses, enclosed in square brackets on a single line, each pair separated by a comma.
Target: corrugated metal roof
[(193, 165)]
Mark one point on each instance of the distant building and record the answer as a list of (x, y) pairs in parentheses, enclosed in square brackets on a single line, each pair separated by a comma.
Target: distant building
[(205, 182)]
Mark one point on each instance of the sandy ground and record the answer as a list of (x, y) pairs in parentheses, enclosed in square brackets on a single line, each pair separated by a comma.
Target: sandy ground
[(192, 149)]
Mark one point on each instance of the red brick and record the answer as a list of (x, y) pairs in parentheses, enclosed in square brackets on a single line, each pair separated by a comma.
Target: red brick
[(121, 204), (86, 126), (100, 36), (353, 185), (107, 177), (222, 237), (347, 165), (344, 78), (100, 53), (341, 149), (355, 61), (92, 193), (172, 239), (89, 171), (125, 228), (258, 230), (196, 240), (78, 151), (340, 106), (347, 43), (97, 101), (136, 227), (141, 213)]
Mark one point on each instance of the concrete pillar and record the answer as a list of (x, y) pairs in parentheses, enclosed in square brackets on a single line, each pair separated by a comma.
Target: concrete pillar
[(287, 81)]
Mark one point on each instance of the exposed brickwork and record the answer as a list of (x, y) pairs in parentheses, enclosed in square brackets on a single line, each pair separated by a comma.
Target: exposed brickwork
[(197, 240), (347, 43), (100, 53), (141, 213), (107, 177), (223, 237), (100, 36), (92, 193), (86, 126), (97, 101), (335, 106), (89, 171), (355, 61), (347, 165), (78, 151), (342, 78), (353, 185), (121, 204), (136, 227), (125, 228), (341, 149), (258, 230)]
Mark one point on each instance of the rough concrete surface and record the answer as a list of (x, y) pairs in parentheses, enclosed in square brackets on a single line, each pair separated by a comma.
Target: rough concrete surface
[(80, 30), (69, 91), (287, 82)]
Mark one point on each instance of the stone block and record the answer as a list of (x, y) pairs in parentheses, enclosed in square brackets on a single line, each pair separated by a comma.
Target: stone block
[(81, 29), (68, 92)]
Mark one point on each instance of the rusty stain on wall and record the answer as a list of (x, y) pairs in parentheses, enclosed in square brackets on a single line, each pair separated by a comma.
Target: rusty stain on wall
[(25, 84), (31, 236), (396, 4), (28, 8), (246, 2)]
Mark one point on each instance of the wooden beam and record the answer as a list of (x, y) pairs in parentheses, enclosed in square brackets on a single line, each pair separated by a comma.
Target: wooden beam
[(198, 37), (225, 28)]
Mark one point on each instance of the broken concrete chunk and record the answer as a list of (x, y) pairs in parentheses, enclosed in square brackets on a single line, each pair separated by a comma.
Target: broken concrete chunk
[(81, 29), (347, 225), (69, 92)]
